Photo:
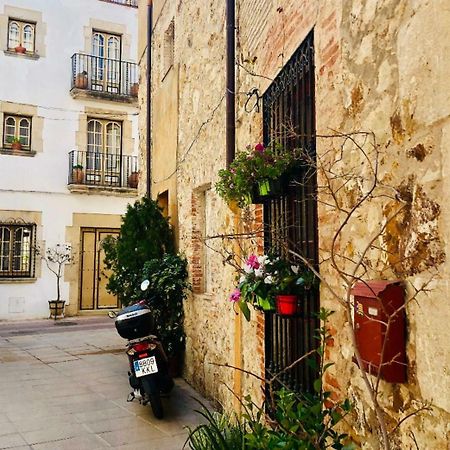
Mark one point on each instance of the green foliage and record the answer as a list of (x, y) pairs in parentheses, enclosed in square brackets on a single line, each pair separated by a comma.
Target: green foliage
[(145, 234), (295, 421), (249, 169), (220, 432), (16, 140), (165, 294), (264, 277)]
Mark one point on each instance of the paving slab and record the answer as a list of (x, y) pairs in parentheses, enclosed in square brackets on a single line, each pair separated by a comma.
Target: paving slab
[(66, 387)]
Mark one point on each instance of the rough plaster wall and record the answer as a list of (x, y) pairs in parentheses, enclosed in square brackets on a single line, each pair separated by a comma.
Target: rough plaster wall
[(199, 52), (389, 80), (379, 68)]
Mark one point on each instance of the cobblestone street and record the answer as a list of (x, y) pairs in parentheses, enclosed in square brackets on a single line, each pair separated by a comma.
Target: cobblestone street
[(64, 385)]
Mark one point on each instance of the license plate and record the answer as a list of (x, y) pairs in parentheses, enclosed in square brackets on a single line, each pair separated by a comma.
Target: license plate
[(145, 366)]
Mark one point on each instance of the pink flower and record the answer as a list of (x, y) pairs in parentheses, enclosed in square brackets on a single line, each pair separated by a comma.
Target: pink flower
[(259, 147), (252, 262), (235, 296)]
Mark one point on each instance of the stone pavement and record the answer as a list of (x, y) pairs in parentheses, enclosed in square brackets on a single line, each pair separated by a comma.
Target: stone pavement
[(63, 386)]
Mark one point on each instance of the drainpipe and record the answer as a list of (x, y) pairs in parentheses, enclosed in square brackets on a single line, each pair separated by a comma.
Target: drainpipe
[(149, 96), (231, 83)]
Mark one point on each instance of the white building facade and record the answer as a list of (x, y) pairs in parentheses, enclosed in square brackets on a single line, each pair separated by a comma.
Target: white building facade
[(68, 146)]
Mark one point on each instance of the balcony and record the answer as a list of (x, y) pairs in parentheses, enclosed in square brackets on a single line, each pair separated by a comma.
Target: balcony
[(131, 3), (94, 171), (104, 78)]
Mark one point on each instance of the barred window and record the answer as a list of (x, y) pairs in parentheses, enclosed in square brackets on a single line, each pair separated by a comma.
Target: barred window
[(16, 250)]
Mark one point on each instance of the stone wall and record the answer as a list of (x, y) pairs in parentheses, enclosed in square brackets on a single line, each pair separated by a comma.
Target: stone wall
[(380, 69)]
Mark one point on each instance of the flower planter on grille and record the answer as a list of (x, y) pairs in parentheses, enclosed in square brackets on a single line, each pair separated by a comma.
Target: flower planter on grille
[(286, 305), (269, 189)]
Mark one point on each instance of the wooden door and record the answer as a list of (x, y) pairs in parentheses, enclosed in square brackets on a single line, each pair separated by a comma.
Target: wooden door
[(94, 275)]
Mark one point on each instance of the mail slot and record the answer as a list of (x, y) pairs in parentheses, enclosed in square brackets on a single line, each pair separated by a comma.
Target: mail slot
[(377, 304)]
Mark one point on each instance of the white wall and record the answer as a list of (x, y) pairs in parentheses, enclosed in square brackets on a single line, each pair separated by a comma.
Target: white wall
[(39, 183)]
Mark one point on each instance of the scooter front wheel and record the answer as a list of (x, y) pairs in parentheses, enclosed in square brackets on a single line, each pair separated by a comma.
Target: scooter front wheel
[(151, 388)]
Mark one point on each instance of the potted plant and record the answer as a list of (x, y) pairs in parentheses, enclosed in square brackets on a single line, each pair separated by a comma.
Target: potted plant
[(269, 283), (255, 286), (133, 179), (77, 174), (55, 257), (290, 283), (16, 143), (81, 80), (254, 173), (20, 49), (134, 90)]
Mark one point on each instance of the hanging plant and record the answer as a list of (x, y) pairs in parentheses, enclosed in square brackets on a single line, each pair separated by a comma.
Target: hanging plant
[(257, 172)]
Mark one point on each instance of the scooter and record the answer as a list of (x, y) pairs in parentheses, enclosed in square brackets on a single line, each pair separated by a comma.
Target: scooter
[(149, 374)]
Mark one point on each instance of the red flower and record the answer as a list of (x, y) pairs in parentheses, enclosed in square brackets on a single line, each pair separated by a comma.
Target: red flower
[(259, 147)]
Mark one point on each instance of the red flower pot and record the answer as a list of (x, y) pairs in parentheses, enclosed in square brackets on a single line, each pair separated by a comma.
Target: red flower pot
[(20, 49), (286, 305)]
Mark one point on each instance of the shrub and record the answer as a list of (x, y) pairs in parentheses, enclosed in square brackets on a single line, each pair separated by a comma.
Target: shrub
[(165, 294), (145, 234)]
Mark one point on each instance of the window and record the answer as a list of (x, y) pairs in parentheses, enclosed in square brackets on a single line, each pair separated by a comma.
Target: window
[(104, 147), (106, 51), (17, 129), (21, 34), (291, 221), (16, 250)]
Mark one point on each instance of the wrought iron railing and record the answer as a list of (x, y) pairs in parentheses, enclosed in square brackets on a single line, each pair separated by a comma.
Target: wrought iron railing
[(103, 169), (132, 3), (104, 75)]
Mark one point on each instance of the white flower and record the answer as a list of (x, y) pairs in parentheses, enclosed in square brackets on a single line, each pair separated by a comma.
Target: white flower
[(259, 273), (268, 279), (248, 269), (263, 259), (242, 279), (294, 269)]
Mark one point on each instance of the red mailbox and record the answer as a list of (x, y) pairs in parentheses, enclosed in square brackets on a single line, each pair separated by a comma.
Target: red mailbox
[(376, 304)]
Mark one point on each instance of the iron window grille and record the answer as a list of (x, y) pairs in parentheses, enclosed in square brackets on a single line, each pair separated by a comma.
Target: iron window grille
[(17, 255), (291, 220)]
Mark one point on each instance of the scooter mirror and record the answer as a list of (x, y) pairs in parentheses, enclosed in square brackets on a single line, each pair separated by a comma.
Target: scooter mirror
[(112, 314), (144, 285)]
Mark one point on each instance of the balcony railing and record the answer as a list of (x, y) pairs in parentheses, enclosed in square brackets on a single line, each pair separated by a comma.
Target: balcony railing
[(132, 3), (104, 77), (103, 169)]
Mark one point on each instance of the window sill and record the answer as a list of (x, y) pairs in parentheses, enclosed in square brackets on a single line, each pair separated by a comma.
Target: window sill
[(11, 152), (17, 280), (21, 55)]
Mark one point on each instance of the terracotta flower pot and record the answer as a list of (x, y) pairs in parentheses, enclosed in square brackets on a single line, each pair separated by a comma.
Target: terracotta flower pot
[(286, 305), (133, 180), (81, 81), (134, 90), (20, 49), (16, 146), (78, 176)]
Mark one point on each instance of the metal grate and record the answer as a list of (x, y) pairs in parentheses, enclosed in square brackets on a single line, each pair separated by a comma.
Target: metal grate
[(17, 250), (291, 220), (104, 76), (102, 169)]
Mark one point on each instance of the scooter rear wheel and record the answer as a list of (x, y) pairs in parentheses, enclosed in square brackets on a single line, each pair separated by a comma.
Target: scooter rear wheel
[(151, 388)]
